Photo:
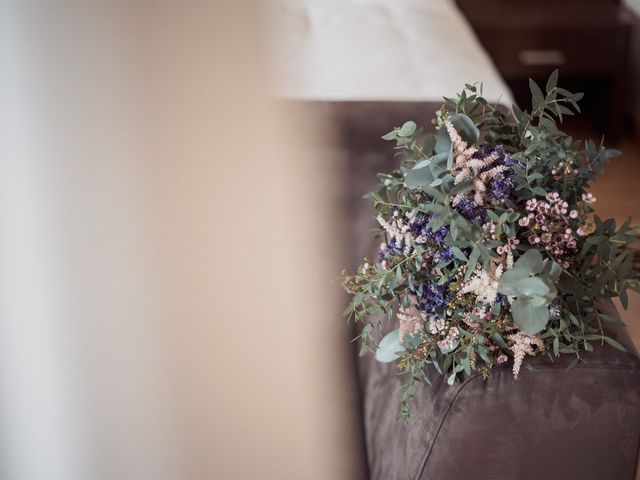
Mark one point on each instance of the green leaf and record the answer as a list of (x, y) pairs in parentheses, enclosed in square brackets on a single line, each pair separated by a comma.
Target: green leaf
[(611, 153), (493, 216), (624, 299), (408, 129), (533, 287), (453, 230), (528, 316), (458, 254), (465, 127), (531, 261), (421, 177), (473, 260), (422, 164), (553, 81), (429, 144), (517, 113), (614, 344), (552, 270), (537, 95), (443, 142), (541, 192), (510, 280), (390, 136), (610, 319), (389, 347)]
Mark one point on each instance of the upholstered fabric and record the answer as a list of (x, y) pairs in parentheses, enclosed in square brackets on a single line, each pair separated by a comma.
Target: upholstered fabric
[(553, 423)]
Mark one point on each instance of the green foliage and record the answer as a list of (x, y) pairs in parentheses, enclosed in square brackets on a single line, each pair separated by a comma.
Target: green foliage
[(554, 301), (389, 348), (533, 287)]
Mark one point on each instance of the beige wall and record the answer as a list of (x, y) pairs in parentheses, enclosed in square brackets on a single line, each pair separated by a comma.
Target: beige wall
[(167, 308)]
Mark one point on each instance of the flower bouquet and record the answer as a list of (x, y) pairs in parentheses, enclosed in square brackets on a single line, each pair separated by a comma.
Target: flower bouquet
[(490, 250)]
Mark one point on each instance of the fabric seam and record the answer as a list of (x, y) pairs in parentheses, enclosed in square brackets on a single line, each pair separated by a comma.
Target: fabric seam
[(425, 460)]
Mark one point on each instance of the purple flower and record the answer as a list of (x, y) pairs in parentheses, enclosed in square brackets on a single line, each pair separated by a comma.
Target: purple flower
[(391, 249), (434, 297), (445, 255), (505, 158), (500, 188), (471, 211), (419, 223)]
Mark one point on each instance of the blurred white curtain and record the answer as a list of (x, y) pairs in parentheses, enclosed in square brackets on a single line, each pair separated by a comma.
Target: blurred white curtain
[(166, 307)]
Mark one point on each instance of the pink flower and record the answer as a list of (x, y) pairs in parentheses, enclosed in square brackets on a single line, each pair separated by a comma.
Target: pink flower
[(411, 321)]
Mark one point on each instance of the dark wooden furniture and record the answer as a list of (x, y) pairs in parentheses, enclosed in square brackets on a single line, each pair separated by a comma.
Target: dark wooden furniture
[(587, 40)]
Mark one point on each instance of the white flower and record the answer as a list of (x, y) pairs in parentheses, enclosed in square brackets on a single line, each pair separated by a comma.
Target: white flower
[(398, 231), (484, 284), (522, 344), (588, 198), (509, 260)]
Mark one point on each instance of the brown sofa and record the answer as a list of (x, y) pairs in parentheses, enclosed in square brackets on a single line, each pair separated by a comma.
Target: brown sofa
[(553, 423)]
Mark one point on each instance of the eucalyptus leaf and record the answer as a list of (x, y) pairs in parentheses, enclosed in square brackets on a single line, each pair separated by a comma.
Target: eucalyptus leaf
[(531, 261), (419, 178), (528, 317), (389, 347), (407, 129), (465, 127)]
